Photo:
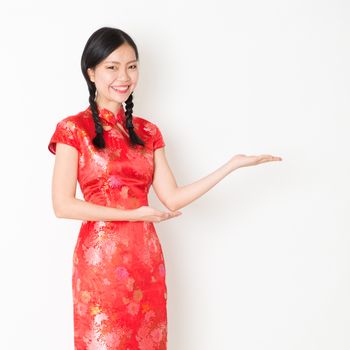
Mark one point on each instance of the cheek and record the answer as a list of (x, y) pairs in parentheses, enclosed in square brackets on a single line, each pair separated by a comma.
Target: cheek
[(134, 77), (103, 82)]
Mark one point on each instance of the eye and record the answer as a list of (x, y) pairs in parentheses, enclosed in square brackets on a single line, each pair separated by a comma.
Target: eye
[(111, 67), (134, 66)]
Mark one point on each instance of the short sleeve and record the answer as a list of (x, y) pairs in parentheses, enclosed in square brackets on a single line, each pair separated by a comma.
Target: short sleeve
[(65, 132), (158, 140)]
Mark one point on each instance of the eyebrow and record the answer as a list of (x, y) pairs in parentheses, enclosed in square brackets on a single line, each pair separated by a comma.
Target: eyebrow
[(119, 62)]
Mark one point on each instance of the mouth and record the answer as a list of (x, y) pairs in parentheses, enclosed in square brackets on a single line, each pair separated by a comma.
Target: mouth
[(122, 89)]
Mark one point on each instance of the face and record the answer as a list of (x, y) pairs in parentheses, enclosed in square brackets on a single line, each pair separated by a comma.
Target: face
[(115, 77)]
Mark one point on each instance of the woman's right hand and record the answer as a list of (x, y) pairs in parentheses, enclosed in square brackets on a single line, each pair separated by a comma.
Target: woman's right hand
[(146, 213)]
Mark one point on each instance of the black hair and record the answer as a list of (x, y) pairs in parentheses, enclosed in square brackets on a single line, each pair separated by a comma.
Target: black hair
[(101, 44)]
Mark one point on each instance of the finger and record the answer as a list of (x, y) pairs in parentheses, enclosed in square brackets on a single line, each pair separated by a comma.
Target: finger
[(265, 156), (172, 212), (170, 217), (176, 213), (159, 213), (167, 215), (274, 158), (270, 159), (268, 156)]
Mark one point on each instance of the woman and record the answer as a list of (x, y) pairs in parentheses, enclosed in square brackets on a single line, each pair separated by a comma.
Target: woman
[(118, 281)]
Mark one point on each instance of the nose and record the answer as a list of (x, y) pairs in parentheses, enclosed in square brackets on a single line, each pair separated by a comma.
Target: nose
[(123, 75)]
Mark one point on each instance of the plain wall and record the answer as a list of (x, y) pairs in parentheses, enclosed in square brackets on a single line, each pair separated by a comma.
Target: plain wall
[(259, 262)]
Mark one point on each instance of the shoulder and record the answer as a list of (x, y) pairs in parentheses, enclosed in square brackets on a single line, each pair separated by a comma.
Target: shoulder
[(67, 131), (145, 125), (150, 131), (74, 126), (73, 122)]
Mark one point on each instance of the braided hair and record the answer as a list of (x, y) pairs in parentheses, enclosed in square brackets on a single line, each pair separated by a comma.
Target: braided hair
[(129, 125), (100, 44)]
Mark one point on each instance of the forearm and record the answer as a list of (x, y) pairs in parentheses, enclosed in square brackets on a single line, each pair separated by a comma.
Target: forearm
[(184, 195), (82, 210)]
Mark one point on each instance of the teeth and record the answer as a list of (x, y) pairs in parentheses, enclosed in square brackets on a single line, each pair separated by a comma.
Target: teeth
[(124, 89)]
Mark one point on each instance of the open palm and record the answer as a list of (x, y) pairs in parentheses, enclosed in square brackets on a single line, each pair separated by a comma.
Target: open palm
[(242, 160)]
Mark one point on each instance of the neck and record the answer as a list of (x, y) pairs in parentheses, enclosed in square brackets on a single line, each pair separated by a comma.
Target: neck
[(114, 107)]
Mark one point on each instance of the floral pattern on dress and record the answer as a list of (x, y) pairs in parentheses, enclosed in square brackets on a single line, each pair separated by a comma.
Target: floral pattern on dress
[(118, 275)]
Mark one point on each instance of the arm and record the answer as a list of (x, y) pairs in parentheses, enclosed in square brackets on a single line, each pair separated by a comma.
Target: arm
[(64, 184), (175, 197), (65, 205)]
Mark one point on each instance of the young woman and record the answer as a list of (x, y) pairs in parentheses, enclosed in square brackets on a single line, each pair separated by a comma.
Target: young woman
[(119, 289)]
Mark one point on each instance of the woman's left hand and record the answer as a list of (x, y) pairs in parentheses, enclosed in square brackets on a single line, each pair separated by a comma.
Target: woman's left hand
[(242, 160)]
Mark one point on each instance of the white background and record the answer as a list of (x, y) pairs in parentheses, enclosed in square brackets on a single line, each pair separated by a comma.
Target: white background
[(259, 262)]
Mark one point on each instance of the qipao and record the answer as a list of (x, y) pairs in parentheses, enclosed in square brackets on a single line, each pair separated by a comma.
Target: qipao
[(118, 273)]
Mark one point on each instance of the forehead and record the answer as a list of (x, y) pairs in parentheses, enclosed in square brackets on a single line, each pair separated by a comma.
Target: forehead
[(123, 54)]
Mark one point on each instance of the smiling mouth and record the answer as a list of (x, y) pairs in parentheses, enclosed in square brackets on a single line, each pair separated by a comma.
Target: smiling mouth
[(121, 89)]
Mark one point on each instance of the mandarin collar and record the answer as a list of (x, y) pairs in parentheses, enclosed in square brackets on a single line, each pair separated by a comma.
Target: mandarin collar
[(108, 115)]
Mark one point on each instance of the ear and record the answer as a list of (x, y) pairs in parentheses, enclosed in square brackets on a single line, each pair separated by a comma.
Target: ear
[(91, 74)]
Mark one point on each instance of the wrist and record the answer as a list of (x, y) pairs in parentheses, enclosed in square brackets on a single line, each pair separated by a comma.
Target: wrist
[(131, 214), (232, 165)]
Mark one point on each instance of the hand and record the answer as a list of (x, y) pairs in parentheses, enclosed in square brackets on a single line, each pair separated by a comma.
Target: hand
[(242, 160), (146, 213)]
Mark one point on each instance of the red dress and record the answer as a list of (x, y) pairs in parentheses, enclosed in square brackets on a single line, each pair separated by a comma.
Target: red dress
[(118, 275)]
